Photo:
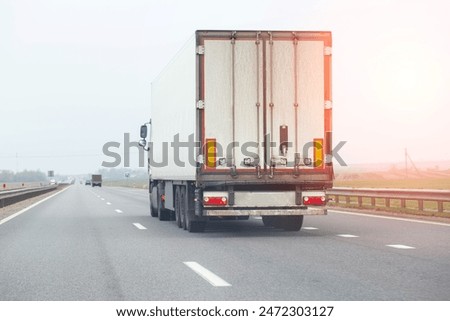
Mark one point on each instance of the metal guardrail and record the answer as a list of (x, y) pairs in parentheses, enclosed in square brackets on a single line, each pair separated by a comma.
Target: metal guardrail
[(14, 196), (6, 186), (403, 195)]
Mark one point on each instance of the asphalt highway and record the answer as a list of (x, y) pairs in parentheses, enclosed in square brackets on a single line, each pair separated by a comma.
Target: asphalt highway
[(89, 243)]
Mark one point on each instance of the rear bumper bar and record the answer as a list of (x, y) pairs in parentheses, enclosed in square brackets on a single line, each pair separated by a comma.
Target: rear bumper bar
[(265, 212)]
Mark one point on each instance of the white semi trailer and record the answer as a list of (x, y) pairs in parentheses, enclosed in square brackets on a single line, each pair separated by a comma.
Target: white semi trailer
[(241, 126)]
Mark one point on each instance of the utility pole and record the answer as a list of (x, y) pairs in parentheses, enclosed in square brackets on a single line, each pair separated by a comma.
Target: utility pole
[(412, 163)]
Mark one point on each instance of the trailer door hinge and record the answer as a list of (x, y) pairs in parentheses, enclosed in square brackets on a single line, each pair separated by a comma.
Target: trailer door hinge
[(200, 50), (327, 51), (200, 104)]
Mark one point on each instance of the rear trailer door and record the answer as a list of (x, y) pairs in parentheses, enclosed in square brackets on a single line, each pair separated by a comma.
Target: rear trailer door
[(270, 94)]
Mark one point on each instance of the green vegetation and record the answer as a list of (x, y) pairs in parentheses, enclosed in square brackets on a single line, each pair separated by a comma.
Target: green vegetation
[(418, 183), (127, 183), (411, 207), (124, 177), (430, 207), (24, 176)]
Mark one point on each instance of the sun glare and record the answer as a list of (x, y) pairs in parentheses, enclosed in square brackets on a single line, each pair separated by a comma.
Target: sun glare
[(405, 79)]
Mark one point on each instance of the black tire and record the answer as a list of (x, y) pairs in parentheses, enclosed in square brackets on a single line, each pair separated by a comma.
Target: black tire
[(163, 214), (183, 207), (190, 223), (178, 201), (268, 221), (288, 223), (153, 209), (197, 227), (291, 223)]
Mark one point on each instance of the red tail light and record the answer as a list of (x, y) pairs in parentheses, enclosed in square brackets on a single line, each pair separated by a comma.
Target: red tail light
[(314, 200), (215, 200)]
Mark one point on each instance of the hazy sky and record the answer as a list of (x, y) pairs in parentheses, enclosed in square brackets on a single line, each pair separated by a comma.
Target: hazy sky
[(76, 74)]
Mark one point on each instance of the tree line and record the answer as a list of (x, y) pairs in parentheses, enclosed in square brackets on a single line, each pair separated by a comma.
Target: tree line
[(24, 176)]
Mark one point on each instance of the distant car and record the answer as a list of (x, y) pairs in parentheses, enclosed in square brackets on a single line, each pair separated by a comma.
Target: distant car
[(52, 182), (88, 182)]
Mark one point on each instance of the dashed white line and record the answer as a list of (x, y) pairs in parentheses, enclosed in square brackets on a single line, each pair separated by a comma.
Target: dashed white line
[(390, 218), (139, 226), (108, 203), (102, 199), (206, 274), (347, 235), (118, 211), (401, 247), (309, 228)]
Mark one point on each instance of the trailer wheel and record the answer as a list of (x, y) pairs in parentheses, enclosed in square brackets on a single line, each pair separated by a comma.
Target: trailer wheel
[(183, 207), (153, 201), (195, 226), (178, 202), (291, 223), (163, 214), (288, 223), (190, 223), (268, 221)]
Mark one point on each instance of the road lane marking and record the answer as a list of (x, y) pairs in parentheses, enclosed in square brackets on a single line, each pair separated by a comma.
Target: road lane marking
[(347, 235), (108, 203), (310, 228), (401, 247), (30, 207), (102, 199), (206, 274), (139, 226), (258, 218), (118, 211), (389, 218)]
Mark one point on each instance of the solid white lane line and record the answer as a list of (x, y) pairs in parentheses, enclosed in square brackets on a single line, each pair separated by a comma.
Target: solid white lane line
[(347, 235), (118, 211), (206, 274), (390, 218), (309, 228), (108, 203), (401, 247), (30, 207), (139, 226)]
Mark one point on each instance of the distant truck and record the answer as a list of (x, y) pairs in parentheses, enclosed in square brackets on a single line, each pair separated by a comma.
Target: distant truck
[(241, 126), (96, 180)]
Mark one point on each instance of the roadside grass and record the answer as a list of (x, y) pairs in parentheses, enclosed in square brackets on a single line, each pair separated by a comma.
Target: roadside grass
[(416, 183), (143, 184), (411, 207)]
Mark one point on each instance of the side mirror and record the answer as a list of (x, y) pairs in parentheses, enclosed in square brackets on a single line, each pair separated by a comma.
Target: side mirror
[(143, 132)]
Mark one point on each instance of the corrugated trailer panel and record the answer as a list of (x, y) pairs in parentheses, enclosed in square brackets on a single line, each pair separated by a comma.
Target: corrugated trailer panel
[(173, 112), (310, 95), (287, 75), (219, 97)]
